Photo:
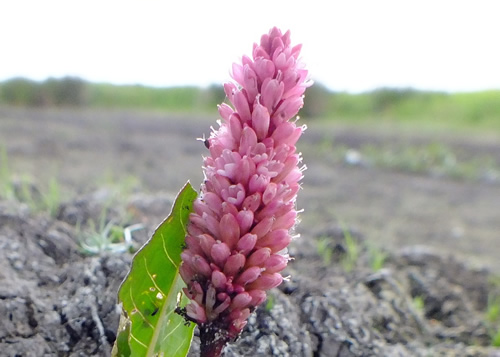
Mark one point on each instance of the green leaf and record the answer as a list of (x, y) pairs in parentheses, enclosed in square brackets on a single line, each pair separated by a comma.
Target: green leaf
[(152, 290)]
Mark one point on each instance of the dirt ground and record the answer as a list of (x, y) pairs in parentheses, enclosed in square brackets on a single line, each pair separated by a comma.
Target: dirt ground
[(60, 303), (391, 208)]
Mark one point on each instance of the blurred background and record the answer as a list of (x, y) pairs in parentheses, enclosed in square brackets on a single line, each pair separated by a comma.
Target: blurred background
[(69, 53), (404, 117)]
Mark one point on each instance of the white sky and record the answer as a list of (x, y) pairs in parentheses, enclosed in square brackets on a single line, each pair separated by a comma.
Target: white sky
[(347, 45)]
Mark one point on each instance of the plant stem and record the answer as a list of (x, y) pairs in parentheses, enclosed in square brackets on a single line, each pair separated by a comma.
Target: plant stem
[(212, 340)]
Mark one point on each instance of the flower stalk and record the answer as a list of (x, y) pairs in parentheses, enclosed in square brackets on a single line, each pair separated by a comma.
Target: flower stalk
[(243, 218)]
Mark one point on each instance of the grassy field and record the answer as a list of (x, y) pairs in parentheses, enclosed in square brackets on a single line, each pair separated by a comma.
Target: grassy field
[(478, 112)]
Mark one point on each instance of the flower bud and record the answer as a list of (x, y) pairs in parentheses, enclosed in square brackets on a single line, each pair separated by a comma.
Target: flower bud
[(234, 264), (240, 301), (248, 276), (246, 243), (259, 257), (229, 230), (196, 312), (266, 281), (275, 263), (258, 297), (219, 253), (219, 280)]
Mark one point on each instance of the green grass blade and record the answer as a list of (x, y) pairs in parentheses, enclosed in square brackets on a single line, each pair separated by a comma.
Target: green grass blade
[(151, 290)]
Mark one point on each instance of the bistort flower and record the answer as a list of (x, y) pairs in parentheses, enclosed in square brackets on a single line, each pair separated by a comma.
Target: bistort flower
[(244, 216)]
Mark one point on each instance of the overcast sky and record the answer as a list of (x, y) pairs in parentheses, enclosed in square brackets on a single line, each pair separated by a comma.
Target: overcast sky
[(347, 45)]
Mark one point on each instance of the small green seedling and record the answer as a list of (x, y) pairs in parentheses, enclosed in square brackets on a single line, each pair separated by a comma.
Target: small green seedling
[(377, 258), (7, 190), (352, 250), (419, 304), (269, 303), (107, 237), (324, 250)]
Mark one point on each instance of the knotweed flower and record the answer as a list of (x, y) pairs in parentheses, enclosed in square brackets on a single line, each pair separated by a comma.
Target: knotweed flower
[(244, 216)]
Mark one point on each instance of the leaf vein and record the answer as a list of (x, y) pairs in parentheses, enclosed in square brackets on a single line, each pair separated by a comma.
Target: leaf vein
[(166, 252), (137, 340), (137, 309), (151, 277)]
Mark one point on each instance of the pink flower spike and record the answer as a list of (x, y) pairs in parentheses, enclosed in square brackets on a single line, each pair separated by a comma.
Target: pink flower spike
[(243, 219)]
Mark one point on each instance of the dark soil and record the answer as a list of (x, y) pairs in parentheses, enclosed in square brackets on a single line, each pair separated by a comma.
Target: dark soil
[(438, 234)]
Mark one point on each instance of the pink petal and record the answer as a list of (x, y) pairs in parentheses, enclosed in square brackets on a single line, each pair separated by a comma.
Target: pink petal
[(219, 253), (240, 103), (250, 83), (196, 312), (266, 282), (245, 220), (225, 111), (229, 230), (272, 90), (248, 140), (252, 202), (260, 121), (264, 68), (249, 275), (263, 227), (206, 243), (234, 264), (259, 257), (223, 306), (201, 266), (275, 263), (269, 193), (258, 297), (286, 221), (237, 73), (240, 301), (275, 240), (246, 243), (219, 279)]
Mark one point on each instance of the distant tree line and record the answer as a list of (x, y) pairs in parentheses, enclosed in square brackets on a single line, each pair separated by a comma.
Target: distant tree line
[(320, 102), (67, 91)]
